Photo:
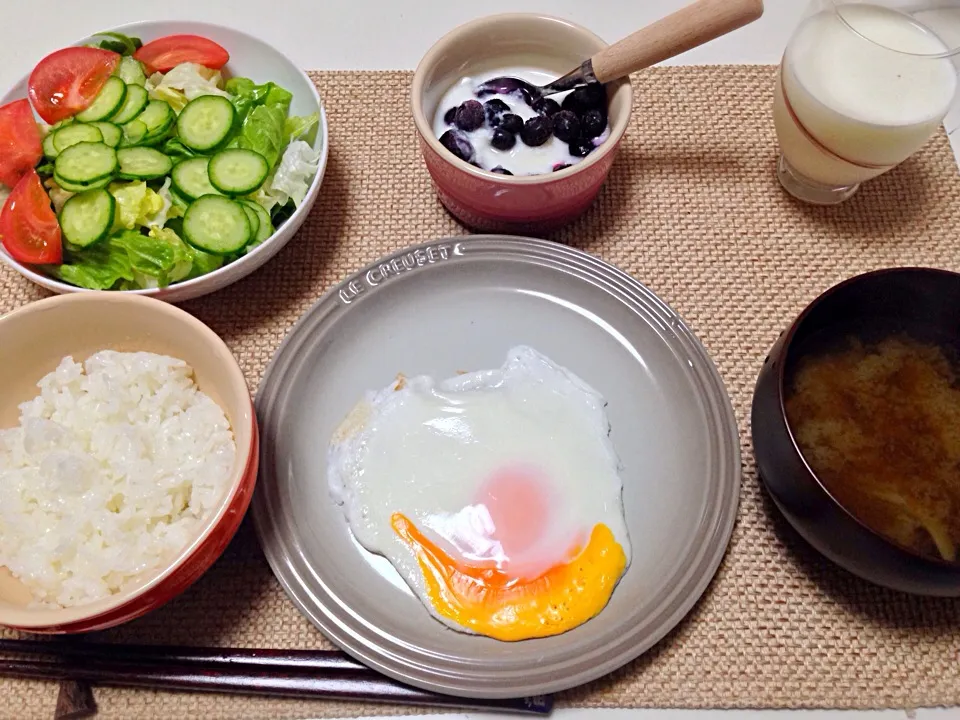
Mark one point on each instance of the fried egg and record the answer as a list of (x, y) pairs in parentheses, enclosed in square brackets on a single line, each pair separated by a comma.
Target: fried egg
[(495, 494)]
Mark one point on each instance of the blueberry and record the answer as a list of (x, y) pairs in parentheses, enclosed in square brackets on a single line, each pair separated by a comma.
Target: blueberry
[(495, 109), (536, 131), (585, 98), (500, 170), (581, 148), (546, 106), (511, 123), (503, 140), (458, 144), (450, 115), (592, 95), (469, 115), (593, 124), (566, 126), (571, 103), (560, 166), (508, 86)]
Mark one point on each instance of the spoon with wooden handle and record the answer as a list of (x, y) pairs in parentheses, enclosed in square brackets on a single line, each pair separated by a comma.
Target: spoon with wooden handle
[(689, 27)]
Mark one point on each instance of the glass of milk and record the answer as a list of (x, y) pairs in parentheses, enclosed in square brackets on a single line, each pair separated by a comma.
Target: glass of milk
[(861, 87)]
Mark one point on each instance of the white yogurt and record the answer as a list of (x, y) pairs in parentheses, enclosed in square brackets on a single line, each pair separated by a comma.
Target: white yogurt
[(521, 159)]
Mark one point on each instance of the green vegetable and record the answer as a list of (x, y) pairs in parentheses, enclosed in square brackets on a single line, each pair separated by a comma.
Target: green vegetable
[(129, 260), (263, 132), (302, 127), (261, 117), (282, 213), (137, 204), (174, 148), (98, 269), (248, 95), (118, 43), (204, 263), (183, 80)]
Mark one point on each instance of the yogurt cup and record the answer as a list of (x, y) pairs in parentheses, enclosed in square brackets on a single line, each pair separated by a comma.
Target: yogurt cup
[(487, 201)]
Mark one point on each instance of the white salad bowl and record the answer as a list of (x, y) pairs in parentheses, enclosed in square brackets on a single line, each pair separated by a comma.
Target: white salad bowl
[(249, 57)]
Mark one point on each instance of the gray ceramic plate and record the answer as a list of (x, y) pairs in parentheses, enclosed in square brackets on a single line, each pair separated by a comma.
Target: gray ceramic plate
[(461, 304)]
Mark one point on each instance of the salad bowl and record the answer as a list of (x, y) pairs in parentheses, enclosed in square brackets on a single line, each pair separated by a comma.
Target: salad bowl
[(249, 58)]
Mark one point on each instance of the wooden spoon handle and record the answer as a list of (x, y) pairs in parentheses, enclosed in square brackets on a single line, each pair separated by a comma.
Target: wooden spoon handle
[(694, 25)]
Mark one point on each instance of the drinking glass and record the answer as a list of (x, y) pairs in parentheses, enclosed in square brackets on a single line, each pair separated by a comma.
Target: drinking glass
[(860, 88)]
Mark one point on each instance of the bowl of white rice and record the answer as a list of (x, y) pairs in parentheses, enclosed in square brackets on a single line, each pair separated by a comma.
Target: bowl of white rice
[(128, 457)]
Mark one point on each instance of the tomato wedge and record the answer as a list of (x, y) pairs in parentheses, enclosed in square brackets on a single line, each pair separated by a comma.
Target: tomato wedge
[(66, 81), (166, 53), (30, 231), (20, 142)]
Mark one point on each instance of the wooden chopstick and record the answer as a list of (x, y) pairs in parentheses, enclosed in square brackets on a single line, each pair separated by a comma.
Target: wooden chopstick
[(305, 675)]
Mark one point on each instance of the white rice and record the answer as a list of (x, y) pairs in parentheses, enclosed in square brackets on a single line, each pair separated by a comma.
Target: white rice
[(113, 469)]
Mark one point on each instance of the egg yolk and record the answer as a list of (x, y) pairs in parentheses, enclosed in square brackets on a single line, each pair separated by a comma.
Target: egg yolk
[(493, 602), (517, 499)]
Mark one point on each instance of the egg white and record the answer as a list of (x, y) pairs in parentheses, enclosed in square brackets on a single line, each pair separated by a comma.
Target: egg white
[(423, 448)]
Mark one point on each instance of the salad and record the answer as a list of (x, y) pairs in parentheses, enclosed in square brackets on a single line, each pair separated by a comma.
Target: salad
[(149, 167)]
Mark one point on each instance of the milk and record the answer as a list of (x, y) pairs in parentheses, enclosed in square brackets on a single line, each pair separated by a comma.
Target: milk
[(858, 106)]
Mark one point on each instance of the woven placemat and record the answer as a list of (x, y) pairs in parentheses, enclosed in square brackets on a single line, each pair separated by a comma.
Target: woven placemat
[(693, 210)]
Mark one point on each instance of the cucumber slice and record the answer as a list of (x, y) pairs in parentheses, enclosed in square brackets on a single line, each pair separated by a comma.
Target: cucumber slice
[(205, 122), (49, 149), (87, 217), (108, 101), (136, 100), (86, 162), (158, 116), (216, 225), (265, 227), (238, 171), (191, 178), (73, 134), (134, 133), (81, 187), (131, 71), (110, 132), (143, 163), (254, 221)]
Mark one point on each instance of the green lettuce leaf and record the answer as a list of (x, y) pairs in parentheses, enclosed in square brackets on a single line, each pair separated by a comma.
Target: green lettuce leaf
[(130, 260), (261, 117), (302, 127), (263, 132), (176, 149), (246, 95), (154, 260), (118, 43), (93, 268), (137, 204), (204, 263)]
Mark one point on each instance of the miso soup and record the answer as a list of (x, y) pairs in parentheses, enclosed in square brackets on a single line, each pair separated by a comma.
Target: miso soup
[(879, 423)]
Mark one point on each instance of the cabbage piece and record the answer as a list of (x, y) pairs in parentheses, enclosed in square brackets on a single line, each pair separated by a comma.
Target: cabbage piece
[(291, 181), (171, 209), (184, 83)]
